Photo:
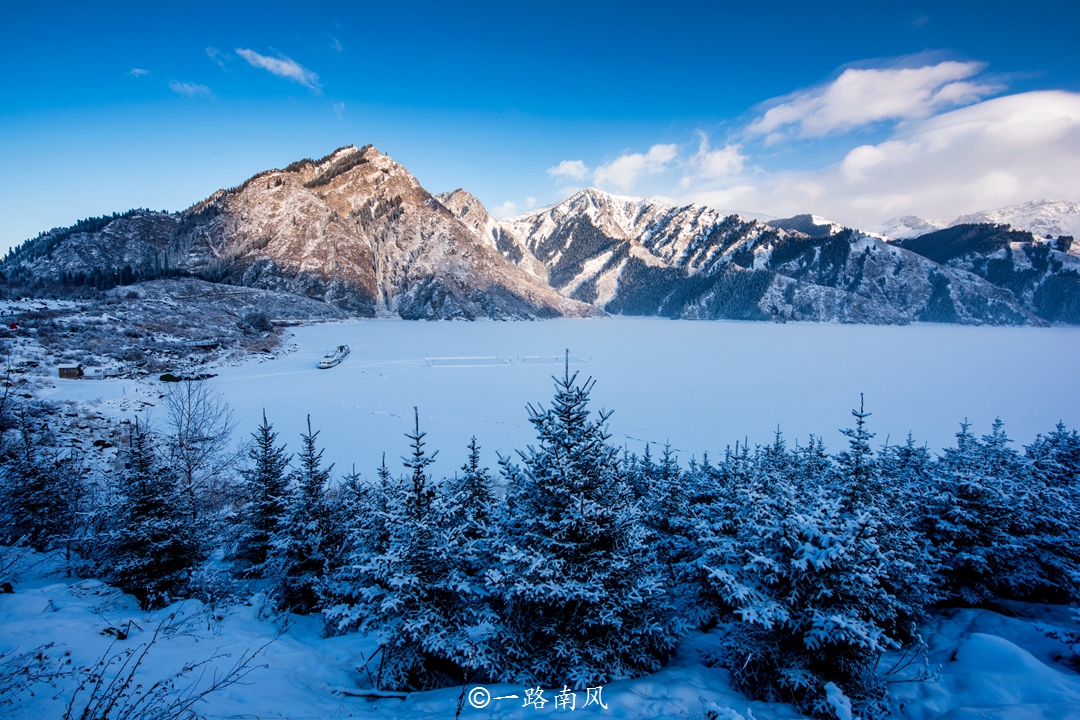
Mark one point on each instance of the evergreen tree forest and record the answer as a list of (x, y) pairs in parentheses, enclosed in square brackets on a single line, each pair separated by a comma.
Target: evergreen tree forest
[(574, 562)]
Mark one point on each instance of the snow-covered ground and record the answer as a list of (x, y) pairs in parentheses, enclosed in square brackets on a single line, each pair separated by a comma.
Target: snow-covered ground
[(991, 666), (699, 385)]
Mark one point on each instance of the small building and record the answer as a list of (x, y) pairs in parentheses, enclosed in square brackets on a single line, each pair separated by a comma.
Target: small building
[(71, 371)]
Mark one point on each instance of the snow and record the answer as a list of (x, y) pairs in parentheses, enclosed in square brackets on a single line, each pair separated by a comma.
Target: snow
[(699, 385), (991, 666), (1043, 217)]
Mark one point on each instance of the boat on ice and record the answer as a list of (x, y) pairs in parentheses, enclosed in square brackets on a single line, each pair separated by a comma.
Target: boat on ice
[(334, 358)]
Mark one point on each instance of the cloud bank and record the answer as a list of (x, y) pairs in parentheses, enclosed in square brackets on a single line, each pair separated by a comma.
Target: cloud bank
[(945, 148), (861, 97), (999, 152)]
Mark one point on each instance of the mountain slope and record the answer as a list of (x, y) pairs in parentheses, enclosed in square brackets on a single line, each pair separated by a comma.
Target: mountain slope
[(1045, 218), (640, 257), (1043, 276), (472, 213), (354, 229), (97, 252)]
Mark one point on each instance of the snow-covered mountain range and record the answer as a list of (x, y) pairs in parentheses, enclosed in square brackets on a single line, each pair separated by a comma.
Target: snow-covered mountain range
[(355, 229), (1045, 218)]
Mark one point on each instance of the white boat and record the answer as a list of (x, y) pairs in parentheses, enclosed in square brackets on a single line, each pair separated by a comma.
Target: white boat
[(331, 359)]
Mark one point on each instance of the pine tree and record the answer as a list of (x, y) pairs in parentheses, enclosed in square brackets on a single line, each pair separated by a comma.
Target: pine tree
[(155, 545), (579, 592), (862, 480), (865, 486), (300, 545), (968, 521), (40, 487), (1054, 507), (813, 604), (267, 488), (417, 595)]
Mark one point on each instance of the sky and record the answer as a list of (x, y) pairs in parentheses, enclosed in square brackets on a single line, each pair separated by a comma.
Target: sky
[(859, 112)]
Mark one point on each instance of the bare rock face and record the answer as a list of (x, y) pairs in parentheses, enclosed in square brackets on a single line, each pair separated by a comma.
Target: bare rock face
[(357, 230), (472, 213)]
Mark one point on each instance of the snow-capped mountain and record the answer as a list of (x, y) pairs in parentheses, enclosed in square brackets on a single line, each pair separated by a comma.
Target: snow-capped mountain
[(1045, 218), (1042, 275), (592, 240), (472, 213), (637, 256), (907, 226), (354, 228), (812, 225)]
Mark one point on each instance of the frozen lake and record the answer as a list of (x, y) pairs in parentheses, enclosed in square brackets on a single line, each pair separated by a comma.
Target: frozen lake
[(699, 385)]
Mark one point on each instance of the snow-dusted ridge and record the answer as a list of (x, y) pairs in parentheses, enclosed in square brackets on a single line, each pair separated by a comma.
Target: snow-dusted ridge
[(356, 230)]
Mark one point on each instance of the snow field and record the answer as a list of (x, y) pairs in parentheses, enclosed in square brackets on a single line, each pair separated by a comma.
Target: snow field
[(700, 385), (991, 666)]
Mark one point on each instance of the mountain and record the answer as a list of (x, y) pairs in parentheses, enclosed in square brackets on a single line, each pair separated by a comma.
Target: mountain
[(812, 225), (357, 231), (636, 256), (1043, 276), (472, 213), (907, 226), (354, 229), (1045, 218)]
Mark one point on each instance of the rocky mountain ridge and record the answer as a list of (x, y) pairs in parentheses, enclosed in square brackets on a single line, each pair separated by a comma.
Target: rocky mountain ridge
[(641, 257), (357, 231), (1044, 218), (354, 229)]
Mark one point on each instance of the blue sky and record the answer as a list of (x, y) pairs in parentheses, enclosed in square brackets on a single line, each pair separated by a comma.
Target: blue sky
[(855, 111)]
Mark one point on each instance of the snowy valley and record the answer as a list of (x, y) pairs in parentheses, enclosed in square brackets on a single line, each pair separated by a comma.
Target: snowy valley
[(867, 506)]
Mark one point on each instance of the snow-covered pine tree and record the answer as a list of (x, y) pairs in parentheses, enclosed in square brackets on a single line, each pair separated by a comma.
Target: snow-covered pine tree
[(299, 555), (1054, 542), (861, 484), (406, 595), (154, 545), (40, 488), (1045, 564), (465, 511), (968, 520), (815, 605), (580, 595), (865, 485), (267, 489), (667, 514)]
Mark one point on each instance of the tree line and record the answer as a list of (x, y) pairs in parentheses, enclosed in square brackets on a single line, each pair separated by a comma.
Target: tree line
[(574, 562)]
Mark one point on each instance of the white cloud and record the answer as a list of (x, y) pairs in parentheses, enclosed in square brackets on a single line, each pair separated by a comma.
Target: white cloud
[(998, 152), (336, 45), (217, 56), (138, 72), (861, 97), (507, 209), (720, 162), (192, 90), (339, 109), (282, 67), (624, 170), (573, 169), (511, 208)]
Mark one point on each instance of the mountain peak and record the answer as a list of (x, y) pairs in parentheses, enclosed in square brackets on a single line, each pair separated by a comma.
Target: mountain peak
[(1046, 218)]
